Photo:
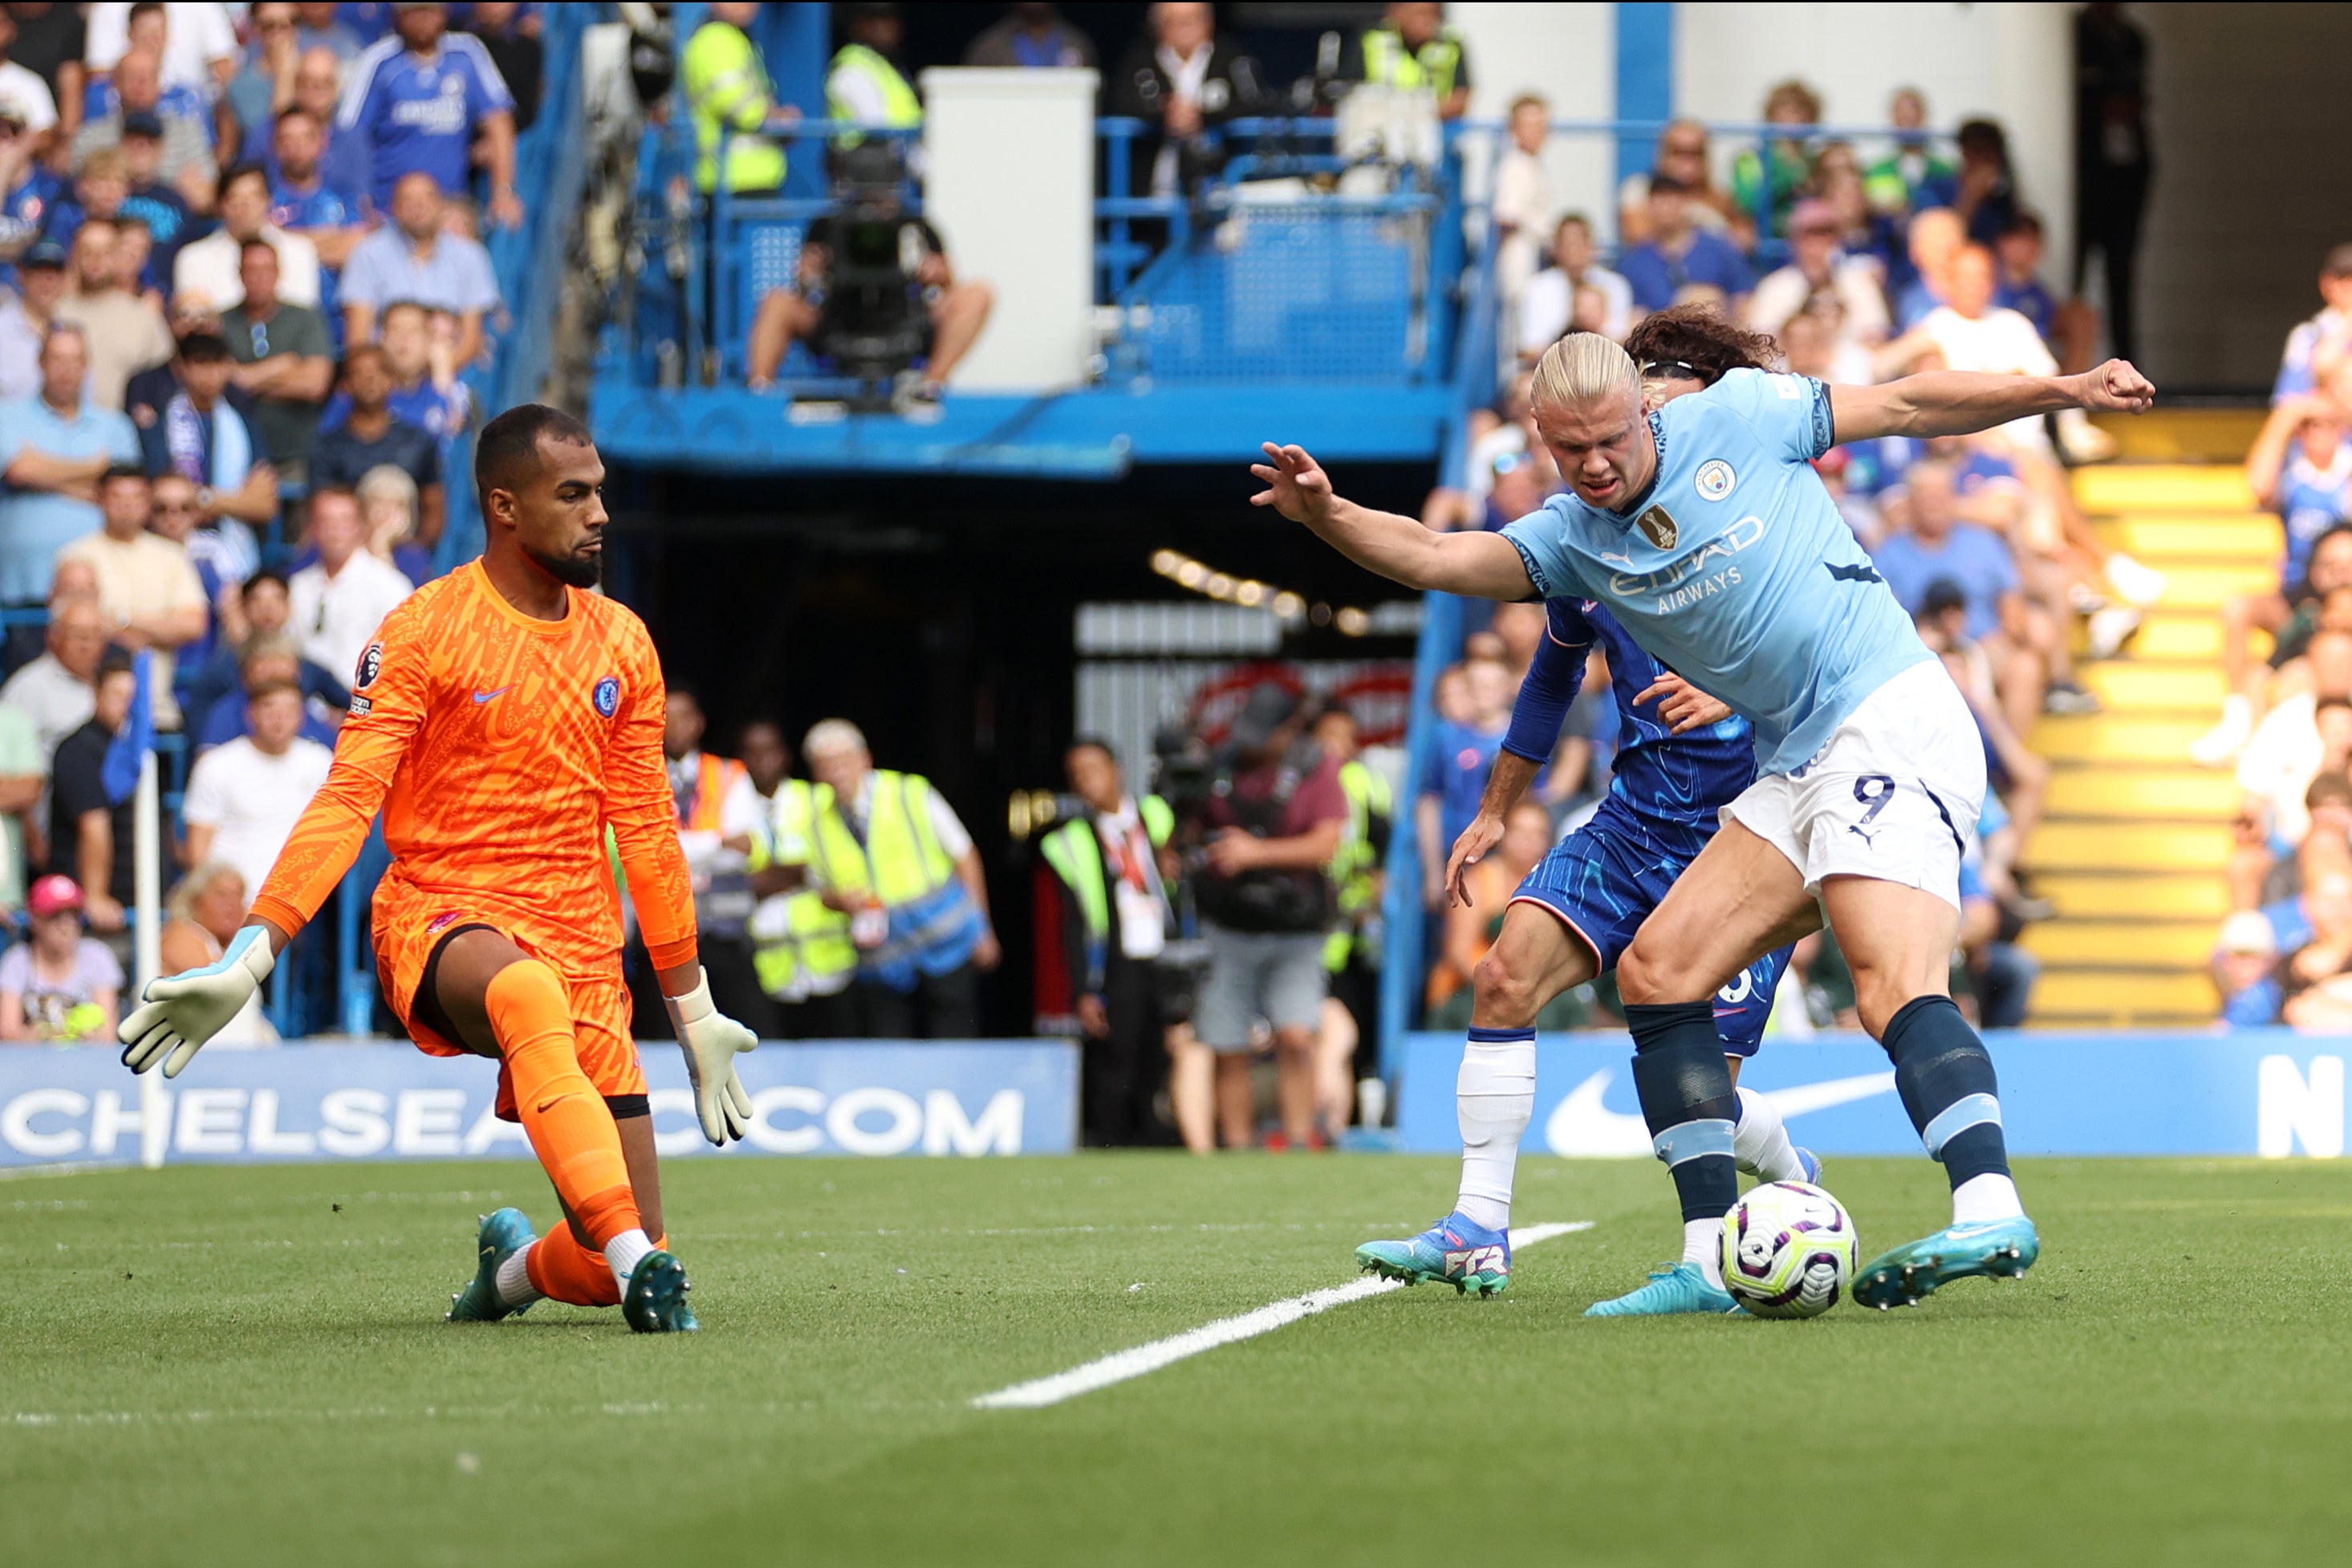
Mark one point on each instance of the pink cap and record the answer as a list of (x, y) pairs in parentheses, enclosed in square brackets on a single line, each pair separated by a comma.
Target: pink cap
[(53, 895)]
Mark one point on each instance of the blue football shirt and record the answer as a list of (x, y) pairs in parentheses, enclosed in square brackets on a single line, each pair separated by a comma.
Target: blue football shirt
[(1685, 779), (2311, 501), (419, 115), (1734, 567)]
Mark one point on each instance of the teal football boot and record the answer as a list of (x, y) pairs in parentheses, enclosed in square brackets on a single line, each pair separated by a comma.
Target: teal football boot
[(655, 1301), (1679, 1289), (1472, 1259), (503, 1234), (1994, 1249)]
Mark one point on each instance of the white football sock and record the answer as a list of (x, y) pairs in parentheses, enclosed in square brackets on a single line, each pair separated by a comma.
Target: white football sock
[(624, 1252), (1759, 1143), (1703, 1245), (1987, 1197), (515, 1288), (1493, 1096)]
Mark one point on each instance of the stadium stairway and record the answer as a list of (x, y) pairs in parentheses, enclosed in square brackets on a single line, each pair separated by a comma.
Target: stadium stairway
[(2133, 843)]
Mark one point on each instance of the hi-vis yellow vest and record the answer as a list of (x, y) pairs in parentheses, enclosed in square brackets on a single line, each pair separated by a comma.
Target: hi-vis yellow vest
[(1075, 852), (902, 861), (802, 948), (901, 109), (1355, 864), (1388, 63), (727, 88)]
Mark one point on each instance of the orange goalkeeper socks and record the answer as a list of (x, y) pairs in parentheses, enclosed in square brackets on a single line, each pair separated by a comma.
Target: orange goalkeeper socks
[(563, 1270), (569, 1125)]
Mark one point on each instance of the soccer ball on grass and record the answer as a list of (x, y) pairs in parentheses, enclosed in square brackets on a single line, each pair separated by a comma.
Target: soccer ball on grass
[(1787, 1250)]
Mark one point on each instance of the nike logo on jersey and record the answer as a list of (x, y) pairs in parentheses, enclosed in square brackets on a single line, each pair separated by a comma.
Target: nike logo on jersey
[(481, 697), (1854, 574)]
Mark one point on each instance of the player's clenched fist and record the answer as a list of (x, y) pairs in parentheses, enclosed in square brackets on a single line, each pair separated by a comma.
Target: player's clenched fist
[(182, 1011), (711, 1041), (2117, 387), (1295, 484)]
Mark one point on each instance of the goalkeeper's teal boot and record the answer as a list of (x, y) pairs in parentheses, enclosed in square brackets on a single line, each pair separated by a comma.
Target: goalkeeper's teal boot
[(655, 1301), (1454, 1251), (503, 1234), (1997, 1249), (1671, 1292)]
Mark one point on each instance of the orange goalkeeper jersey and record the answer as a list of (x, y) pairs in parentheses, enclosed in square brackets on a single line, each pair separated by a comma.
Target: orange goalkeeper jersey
[(499, 747)]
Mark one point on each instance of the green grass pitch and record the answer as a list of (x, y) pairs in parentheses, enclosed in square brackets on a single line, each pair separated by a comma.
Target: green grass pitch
[(249, 1367)]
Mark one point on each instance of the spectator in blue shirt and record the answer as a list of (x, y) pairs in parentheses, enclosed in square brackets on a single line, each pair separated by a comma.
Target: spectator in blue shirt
[(317, 27), (28, 190), (54, 446), (425, 392), (171, 222), (2246, 971), (420, 100), (262, 611), (1460, 758), (1939, 548), (264, 661), (1679, 254), (338, 162), (414, 256), (264, 82), (2018, 285), (1937, 238)]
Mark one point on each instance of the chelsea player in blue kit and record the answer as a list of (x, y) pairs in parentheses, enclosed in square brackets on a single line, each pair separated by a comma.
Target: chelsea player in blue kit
[(1682, 757), (1702, 528)]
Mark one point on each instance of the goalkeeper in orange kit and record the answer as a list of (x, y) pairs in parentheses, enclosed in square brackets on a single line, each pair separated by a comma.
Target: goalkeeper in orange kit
[(500, 720)]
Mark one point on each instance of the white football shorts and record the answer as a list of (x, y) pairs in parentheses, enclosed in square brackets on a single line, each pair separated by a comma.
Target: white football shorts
[(1893, 796)]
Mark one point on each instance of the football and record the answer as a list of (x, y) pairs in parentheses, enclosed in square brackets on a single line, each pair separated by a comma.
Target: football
[(1787, 1250)]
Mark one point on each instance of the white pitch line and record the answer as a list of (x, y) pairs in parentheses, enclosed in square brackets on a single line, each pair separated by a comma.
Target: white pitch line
[(1121, 1365)]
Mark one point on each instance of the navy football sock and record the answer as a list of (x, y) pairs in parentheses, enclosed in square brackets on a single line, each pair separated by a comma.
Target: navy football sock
[(1687, 1099), (1946, 1078)]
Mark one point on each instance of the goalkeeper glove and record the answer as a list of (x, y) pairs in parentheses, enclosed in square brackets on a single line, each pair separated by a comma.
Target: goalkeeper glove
[(710, 1040), (180, 1012)]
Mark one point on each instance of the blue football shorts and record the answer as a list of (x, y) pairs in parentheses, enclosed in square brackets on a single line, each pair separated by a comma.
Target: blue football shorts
[(1603, 880)]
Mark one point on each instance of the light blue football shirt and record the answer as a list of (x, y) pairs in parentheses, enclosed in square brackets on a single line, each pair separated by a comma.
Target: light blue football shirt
[(1734, 568)]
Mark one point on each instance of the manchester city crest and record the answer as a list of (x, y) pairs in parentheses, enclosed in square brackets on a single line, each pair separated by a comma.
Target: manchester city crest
[(1714, 479)]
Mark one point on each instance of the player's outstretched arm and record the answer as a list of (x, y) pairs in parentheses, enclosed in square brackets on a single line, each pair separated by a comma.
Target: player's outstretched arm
[(1960, 403), (1482, 565), (181, 1011)]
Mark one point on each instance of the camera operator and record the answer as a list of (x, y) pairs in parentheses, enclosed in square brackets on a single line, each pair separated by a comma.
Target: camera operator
[(1111, 856), (1274, 816), (875, 290)]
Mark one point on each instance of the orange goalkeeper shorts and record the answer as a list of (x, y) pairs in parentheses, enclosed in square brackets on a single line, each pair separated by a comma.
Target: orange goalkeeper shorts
[(412, 927)]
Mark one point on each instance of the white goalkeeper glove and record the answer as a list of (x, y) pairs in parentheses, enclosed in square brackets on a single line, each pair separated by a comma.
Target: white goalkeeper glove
[(710, 1040), (180, 1012)]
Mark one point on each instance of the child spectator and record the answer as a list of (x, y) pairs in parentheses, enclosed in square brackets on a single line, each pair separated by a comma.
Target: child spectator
[(60, 986)]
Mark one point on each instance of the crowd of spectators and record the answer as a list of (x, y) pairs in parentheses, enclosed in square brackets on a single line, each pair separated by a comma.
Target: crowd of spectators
[(241, 274), (1182, 79), (2285, 953)]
